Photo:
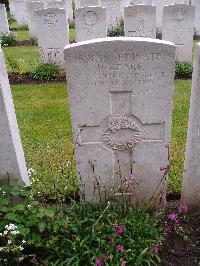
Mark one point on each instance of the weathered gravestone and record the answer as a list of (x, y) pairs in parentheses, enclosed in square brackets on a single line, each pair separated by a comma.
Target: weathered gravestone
[(21, 15), (86, 3), (113, 12), (191, 181), (53, 34), (142, 2), (140, 21), (90, 23), (196, 3), (184, 2), (178, 27), (12, 7), (123, 4), (12, 160), (56, 4), (4, 28), (159, 12), (120, 92), (33, 6), (69, 9)]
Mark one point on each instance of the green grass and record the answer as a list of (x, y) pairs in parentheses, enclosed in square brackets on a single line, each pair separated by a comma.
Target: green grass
[(179, 132), (72, 35), (23, 58), (22, 35), (44, 120)]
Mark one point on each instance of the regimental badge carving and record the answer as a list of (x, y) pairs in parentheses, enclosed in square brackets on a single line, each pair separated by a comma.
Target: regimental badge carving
[(90, 18), (115, 127), (51, 20), (179, 15)]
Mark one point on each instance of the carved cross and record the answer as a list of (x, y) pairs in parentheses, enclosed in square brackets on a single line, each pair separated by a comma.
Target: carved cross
[(120, 132)]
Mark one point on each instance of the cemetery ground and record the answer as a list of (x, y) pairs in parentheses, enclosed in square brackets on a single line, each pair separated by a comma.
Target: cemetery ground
[(53, 228)]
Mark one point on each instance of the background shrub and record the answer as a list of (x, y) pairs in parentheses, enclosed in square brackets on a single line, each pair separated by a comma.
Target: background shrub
[(184, 70), (117, 31), (46, 71), (7, 40)]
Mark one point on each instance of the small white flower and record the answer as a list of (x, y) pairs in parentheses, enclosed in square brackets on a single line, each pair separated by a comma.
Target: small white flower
[(5, 232), (1, 234), (21, 248), (31, 172), (23, 241), (15, 232), (9, 242), (4, 192)]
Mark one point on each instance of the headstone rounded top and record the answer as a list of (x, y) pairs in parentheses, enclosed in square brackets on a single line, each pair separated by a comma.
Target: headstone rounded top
[(115, 40)]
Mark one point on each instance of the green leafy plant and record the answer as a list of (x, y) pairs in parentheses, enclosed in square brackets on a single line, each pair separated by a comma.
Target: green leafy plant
[(8, 40), (75, 233), (46, 71), (117, 31), (72, 24), (184, 70)]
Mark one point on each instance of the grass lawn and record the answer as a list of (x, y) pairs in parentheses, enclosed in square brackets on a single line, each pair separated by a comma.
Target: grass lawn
[(44, 121), (179, 132), (23, 35), (21, 59)]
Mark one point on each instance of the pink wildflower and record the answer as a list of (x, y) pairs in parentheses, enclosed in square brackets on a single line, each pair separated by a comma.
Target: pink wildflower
[(132, 177), (120, 249), (98, 262), (183, 208), (174, 218), (155, 249), (111, 242), (123, 263)]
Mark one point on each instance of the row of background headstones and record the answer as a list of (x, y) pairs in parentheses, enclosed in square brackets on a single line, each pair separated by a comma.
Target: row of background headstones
[(19, 11), (50, 27), (90, 24)]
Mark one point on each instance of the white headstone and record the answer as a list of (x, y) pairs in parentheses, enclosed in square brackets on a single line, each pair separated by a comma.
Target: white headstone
[(4, 28), (182, 2), (69, 9), (196, 3), (191, 181), (12, 7), (77, 4), (86, 3), (33, 6), (178, 27), (21, 15), (56, 4), (113, 12), (123, 4), (159, 12), (12, 160), (142, 2), (53, 34), (120, 92), (140, 21), (90, 23)]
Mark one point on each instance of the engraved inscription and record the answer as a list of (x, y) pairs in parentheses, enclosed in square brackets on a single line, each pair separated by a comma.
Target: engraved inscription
[(115, 125), (51, 20), (179, 15), (90, 18)]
